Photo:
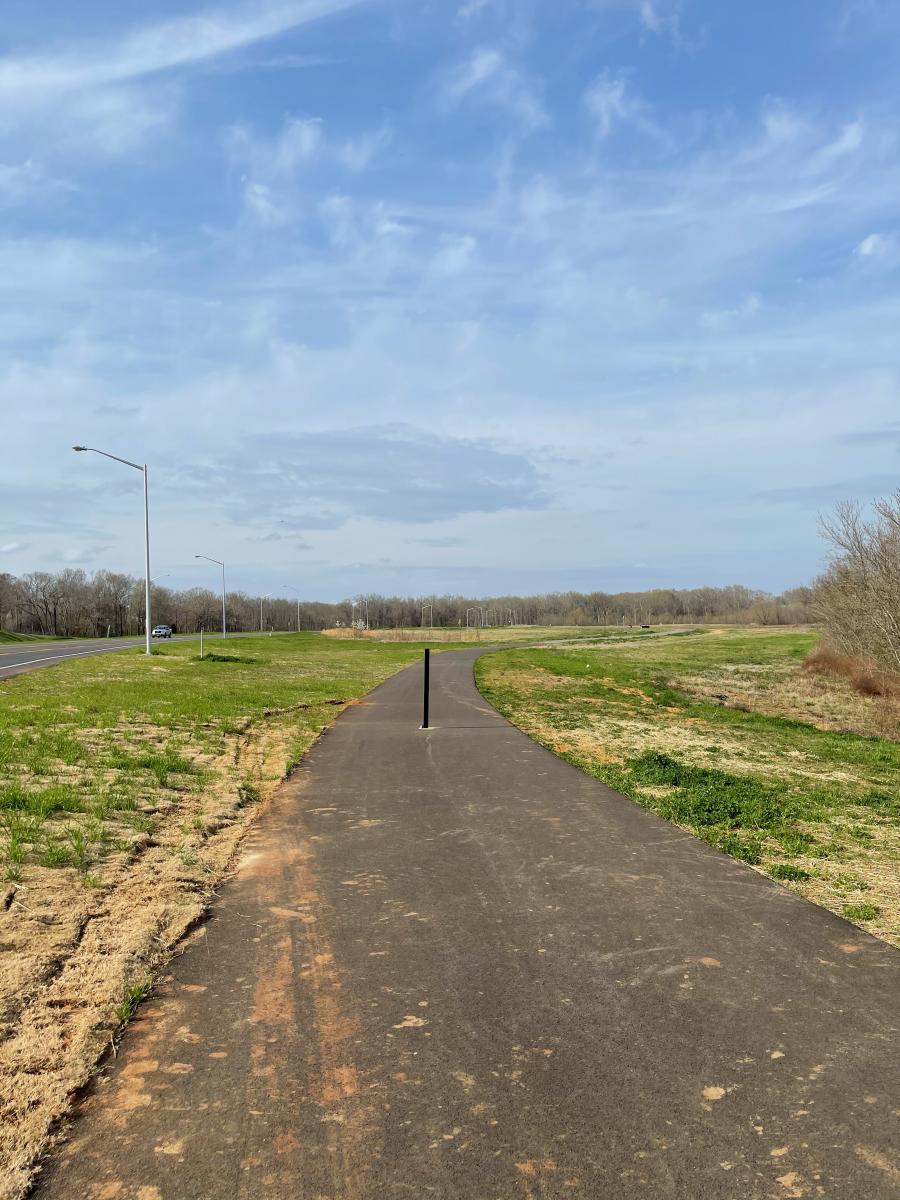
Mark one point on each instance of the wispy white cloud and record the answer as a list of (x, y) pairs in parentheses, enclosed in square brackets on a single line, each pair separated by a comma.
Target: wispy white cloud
[(723, 317), (109, 91), (487, 75), (474, 8), (262, 204), (298, 142), (59, 266), (872, 18), (357, 153), (275, 171), (111, 122), (155, 48), (28, 182), (454, 254), (651, 18), (874, 245), (612, 102), (662, 18), (878, 253), (322, 479)]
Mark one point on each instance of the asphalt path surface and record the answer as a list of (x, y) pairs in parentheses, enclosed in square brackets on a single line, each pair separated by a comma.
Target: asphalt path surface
[(450, 965)]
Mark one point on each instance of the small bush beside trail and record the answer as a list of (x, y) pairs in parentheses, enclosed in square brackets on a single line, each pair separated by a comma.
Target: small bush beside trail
[(858, 597), (864, 677)]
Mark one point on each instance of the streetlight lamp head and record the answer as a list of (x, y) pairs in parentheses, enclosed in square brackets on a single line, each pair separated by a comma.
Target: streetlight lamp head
[(79, 447)]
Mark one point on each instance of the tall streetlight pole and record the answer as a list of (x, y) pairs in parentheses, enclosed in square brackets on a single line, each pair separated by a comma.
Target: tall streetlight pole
[(222, 565), (294, 590), (430, 607), (137, 467)]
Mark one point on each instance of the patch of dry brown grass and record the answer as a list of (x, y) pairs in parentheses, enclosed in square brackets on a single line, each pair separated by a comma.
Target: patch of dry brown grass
[(70, 951), (825, 699), (488, 635), (866, 678), (406, 635)]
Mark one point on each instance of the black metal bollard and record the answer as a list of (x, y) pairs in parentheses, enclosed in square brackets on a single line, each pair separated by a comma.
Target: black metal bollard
[(427, 681)]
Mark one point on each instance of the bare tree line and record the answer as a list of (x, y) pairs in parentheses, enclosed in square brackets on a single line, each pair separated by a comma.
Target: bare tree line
[(75, 603), (858, 597), (658, 606)]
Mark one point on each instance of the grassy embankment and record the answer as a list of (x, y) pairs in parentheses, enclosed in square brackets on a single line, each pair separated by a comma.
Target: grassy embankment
[(6, 636), (723, 732), (125, 784)]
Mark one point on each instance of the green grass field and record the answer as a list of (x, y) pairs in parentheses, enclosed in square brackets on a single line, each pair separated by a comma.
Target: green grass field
[(88, 748), (6, 636), (722, 732)]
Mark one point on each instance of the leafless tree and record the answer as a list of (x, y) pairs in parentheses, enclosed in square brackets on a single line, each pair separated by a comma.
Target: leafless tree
[(858, 597)]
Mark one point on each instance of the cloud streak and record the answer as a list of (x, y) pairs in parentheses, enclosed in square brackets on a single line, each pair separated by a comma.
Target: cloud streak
[(321, 480), (155, 48), (110, 97)]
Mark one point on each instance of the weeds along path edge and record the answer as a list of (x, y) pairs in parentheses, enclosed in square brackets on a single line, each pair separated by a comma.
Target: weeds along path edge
[(724, 734)]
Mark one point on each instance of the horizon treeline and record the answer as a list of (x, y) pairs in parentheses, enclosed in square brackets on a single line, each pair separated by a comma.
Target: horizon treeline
[(73, 602)]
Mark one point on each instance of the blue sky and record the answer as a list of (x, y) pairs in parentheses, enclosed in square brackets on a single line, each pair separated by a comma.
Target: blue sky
[(476, 296)]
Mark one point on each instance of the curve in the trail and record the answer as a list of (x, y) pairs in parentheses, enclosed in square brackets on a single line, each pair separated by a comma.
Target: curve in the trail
[(450, 965)]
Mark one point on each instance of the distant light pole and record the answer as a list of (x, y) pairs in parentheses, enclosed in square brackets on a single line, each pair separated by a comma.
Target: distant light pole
[(137, 467), (474, 609), (292, 589), (222, 565), (431, 609)]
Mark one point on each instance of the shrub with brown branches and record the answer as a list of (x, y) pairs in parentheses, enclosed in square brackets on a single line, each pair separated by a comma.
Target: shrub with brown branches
[(865, 679), (858, 597)]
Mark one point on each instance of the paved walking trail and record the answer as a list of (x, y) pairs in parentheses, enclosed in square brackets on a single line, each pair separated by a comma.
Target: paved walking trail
[(452, 966)]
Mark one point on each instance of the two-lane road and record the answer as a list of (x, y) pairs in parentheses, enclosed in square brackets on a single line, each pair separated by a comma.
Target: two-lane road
[(19, 657)]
